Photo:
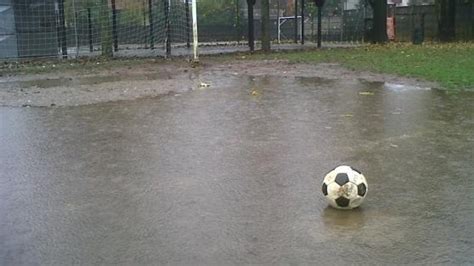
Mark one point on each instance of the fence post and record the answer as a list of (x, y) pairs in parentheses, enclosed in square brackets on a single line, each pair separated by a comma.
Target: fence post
[(251, 36), (342, 21), (328, 38), (145, 36), (62, 28), (150, 19), (312, 27), (114, 25), (278, 21), (188, 40), (75, 27), (167, 28), (237, 22), (296, 21), (302, 22), (320, 13), (89, 22)]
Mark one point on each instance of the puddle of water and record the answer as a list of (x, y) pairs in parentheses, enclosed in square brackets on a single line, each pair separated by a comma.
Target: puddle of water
[(403, 87), (222, 176)]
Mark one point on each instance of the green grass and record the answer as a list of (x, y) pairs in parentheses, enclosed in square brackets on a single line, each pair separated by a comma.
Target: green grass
[(79, 66), (451, 65)]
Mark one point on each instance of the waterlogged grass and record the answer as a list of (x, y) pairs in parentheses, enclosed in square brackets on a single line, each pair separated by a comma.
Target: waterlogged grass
[(451, 65)]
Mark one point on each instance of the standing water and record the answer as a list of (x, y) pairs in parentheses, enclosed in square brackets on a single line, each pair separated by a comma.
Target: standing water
[(232, 175)]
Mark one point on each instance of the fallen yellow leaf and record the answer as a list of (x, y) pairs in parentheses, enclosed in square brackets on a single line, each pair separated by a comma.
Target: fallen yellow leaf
[(347, 115)]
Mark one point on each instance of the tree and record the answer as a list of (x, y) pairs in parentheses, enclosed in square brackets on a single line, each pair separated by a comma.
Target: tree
[(266, 26), (446, 19), (105, 29), (379, 30)]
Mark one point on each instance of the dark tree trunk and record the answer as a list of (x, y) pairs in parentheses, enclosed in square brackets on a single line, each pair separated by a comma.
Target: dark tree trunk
[(266, 47), (105, 29), (379, 31), (446, 20)]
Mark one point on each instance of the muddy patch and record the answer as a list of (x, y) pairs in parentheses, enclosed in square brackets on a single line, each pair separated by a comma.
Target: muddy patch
[(148, 80)]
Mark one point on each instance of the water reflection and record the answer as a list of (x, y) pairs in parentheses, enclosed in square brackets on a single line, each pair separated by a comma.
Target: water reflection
[(343, 221), (222, 175)]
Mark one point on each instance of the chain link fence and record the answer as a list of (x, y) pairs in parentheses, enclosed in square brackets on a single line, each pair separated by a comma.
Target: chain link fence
[(144, 28)]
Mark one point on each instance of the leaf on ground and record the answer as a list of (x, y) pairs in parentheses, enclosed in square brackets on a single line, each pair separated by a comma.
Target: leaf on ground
[(255, 93), (366, 93)]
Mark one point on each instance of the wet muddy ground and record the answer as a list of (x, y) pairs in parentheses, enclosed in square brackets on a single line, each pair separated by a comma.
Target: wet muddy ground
[(231, 173), (118, 81)]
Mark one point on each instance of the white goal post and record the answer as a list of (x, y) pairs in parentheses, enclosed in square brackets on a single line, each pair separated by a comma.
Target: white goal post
[(283, 20), (195, 32)]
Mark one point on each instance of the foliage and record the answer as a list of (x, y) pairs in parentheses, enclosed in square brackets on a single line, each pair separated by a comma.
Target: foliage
[(451, 65), (216, 12), (330, 8)]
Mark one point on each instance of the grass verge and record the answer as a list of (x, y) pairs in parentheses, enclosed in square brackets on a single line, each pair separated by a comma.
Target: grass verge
[(451, 65)]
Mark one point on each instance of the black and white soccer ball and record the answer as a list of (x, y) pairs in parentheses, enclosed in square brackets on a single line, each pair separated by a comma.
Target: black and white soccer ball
[(345, 187)]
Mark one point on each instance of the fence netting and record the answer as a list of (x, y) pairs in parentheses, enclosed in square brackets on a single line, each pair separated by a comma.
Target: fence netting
[(135, 28)]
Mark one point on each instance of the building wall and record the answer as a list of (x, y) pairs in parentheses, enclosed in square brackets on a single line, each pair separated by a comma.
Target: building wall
[(35, 22), (8, 42)]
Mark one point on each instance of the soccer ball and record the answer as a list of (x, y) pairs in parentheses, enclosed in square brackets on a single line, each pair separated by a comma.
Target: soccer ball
[(345, 187)]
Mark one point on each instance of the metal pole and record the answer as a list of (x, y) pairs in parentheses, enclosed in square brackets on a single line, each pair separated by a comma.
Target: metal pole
[(328, 38), (144, 23), (278, 21), (188, 37), (279, 31), (319, 26), (302, 22), (150, 18), (312, 26), (58, 28), (342, 19), (251, 29), (296, 21), (62, 25), (75, 27), (237, 18), (114, 25), (195, 32), (89, 21), (167, 28)]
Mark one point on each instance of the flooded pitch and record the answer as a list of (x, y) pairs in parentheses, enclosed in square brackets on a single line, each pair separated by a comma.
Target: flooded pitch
[(231, 174)]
